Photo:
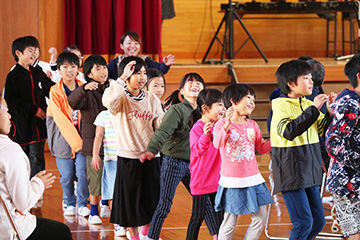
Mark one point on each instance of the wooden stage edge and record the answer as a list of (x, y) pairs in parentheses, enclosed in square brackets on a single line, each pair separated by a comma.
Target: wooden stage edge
[(252, 70)]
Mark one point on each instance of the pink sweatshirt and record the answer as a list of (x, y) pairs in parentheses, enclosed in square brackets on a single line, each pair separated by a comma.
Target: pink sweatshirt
[(239, 168), (204, 161)]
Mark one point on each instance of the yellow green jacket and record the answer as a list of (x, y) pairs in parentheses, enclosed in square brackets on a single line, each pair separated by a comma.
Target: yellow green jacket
[(296, 156)]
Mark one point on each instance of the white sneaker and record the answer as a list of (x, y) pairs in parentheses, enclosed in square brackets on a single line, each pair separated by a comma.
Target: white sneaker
[(142, 237), (84, 211), (104, 211), (64, 205), (70, 211), (94, 219), (119, 230)]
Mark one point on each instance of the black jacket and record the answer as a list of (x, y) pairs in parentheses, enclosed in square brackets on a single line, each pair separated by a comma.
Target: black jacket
[(25, 91)]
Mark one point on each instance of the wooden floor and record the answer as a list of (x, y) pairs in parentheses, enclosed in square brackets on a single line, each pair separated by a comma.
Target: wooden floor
[(176, 224)]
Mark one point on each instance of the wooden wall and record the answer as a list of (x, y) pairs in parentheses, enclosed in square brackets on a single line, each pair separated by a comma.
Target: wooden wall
[(187, 35)]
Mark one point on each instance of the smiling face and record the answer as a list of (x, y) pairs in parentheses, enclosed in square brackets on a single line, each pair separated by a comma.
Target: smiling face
[(99, 73), (137, 81), (68, 71), (191, 88), (245, 106), (27, 57), (157, 86), (5, 123), (216, 112), (303, 87), (130, 47)]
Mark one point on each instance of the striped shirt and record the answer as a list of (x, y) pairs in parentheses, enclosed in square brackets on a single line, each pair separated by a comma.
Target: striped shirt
[(104, 119)]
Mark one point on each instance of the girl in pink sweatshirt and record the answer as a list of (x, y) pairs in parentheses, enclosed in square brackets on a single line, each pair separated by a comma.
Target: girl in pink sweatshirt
[(242, 189), (204, 158)]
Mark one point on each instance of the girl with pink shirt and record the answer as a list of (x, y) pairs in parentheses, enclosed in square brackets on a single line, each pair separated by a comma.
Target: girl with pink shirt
[(242, 189), (204, 158)]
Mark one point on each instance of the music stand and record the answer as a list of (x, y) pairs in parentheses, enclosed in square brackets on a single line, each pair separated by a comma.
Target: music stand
[(230, 15)]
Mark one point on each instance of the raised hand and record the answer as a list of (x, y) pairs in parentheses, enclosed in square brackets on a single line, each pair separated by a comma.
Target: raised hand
[(91, 86), (169, 59), (319, 100)]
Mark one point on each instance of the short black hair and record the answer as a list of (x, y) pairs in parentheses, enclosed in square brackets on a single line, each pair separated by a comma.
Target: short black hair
[(235, 93), (35, 40), (89, 64), (67, 57), (20, 44), (317, 72), (139, 64), (289, 72), (352, 68)]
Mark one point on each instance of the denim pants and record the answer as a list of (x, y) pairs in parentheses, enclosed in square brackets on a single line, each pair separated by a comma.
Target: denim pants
[(35, 153), (306, 212), (69, 168), (173, 171)]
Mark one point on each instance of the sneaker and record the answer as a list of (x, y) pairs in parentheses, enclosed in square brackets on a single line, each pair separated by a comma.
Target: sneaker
[(128, 235), (70, 211), (142, 237), (104, 211), (64, 205), (84, 211), (94, 219), (119, 231)]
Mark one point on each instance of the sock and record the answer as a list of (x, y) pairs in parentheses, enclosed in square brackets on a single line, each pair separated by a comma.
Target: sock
[(94, 210), (135, 237), (215, 237), (105, 202), (145, 230)]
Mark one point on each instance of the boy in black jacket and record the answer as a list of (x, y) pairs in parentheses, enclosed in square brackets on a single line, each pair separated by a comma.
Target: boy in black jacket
[(25, 91)]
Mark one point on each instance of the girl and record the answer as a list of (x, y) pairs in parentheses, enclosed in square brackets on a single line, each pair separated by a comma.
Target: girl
[(87, 99), (130, 43), (204, 157), (63, 127), (242, 189), (20, 193), (156, 82), (135, 117), (172, 137)]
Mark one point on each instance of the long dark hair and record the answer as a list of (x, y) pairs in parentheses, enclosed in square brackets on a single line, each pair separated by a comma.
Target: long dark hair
[(206, 97), (174, 97)]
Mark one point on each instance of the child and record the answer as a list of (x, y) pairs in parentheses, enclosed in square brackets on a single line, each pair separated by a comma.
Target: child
[(296, 156), (342, 143), (242, 189), (20, 193), (130, 43), (105, 133), (56, 76), (135, 117), (172, 138), (204, 157), (88, 99), (156, 82), (25, 90), (63, 127)]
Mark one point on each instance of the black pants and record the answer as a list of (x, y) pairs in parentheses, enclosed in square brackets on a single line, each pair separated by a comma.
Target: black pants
[(35, 153), (49, 229), (198, 214)]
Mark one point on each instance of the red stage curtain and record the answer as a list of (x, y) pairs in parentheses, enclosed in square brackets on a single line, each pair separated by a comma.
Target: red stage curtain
[(96, 26)]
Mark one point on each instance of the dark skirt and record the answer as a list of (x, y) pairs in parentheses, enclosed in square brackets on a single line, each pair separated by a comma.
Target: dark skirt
[(136, 193)]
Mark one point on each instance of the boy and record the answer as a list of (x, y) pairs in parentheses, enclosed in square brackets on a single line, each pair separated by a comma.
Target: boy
[(25, 91), (342, 144), (296, 155), (64, 139), (88, 99)]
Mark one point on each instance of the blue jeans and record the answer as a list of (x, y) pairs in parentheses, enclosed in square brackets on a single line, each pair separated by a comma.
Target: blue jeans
[(173, 171), (306, 212), (68, 168)]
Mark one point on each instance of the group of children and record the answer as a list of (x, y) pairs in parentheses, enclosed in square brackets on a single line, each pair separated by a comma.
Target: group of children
[(108, 135)]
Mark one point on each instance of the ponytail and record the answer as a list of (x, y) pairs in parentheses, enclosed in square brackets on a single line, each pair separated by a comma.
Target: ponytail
[(195, 116)]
